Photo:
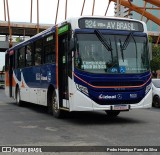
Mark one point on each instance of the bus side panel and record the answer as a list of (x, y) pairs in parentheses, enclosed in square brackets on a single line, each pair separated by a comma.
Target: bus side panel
[(48, 77), (30, 84), (14, 79), (35, 82), (17, 79), (7, 83), (17, 73)]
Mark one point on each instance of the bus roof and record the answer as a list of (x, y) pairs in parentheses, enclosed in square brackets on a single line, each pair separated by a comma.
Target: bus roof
[(74, 24), (35, 37)]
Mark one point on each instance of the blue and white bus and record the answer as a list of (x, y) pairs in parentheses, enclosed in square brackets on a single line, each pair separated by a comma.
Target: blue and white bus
[(83, 64)]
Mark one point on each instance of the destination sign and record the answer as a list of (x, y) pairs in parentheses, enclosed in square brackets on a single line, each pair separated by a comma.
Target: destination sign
[(115, 24)]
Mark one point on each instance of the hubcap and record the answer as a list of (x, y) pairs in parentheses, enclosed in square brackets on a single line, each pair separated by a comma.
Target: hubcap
[(55, 103)]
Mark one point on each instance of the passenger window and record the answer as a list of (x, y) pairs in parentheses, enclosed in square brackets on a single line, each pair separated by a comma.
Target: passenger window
[(38, 52), (29, 55), (49, 49), (21, 57)]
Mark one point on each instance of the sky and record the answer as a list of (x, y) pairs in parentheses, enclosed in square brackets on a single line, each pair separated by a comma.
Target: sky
[(19, 11)]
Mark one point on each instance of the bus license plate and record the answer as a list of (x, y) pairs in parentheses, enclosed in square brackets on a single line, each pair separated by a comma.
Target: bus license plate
[(120, 107)]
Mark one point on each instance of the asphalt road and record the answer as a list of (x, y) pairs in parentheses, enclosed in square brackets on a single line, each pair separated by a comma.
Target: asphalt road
[(31, 125)]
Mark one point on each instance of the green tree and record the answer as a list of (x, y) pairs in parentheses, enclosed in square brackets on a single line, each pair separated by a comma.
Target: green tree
[(150, 39), (155, 62), (18, 39)]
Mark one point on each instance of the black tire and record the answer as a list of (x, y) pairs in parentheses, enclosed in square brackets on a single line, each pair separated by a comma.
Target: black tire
[(156, 101), (54, 105), (49, 103), (18, 97), (113, 113)]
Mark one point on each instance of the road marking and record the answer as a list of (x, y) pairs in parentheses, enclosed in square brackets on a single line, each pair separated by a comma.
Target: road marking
[(50, 129), (29, 126), (2, 103)]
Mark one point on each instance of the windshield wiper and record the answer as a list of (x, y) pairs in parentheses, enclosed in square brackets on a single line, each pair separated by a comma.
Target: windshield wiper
[(126, 42), (125, 45), (107, 45), (103, 40), (121, 47)]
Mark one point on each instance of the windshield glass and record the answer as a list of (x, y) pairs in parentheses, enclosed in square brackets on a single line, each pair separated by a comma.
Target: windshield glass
[(102, 53)]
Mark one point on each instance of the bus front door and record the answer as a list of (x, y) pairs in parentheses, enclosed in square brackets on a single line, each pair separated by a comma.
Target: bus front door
[(63, 70)]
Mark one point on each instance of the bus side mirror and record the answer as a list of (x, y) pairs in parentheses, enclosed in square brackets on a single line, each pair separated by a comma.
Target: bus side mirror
[(72, 45)]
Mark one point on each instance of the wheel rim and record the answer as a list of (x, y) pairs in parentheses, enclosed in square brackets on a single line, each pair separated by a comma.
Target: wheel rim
[(55, 103)]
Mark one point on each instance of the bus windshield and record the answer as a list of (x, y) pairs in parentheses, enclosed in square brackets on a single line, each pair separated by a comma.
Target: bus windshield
[(106, 53)]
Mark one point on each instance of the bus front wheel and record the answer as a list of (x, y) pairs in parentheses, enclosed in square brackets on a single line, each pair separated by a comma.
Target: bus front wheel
[(156, 101), (111, 113), (56, 111)]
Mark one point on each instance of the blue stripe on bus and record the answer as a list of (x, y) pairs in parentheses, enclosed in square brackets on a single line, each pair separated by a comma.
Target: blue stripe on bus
[(38, 76)]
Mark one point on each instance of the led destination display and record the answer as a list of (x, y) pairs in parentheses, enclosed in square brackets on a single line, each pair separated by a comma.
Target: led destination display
[(115, 24)]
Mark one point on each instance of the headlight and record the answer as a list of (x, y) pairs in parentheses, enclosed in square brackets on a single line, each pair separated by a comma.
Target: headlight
[(82, 89), (148, 88)]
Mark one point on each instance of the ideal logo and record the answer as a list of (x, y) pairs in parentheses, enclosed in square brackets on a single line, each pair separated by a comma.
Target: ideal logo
[(106, 97)]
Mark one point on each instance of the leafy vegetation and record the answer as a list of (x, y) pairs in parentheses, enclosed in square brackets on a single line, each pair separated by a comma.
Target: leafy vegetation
[(155, 62)]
